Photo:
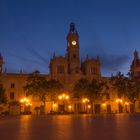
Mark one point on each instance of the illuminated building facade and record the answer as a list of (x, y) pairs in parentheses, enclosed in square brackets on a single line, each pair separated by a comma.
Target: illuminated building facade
[(68, 70)]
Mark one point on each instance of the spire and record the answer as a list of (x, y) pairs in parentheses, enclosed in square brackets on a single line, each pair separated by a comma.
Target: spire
[(54, 55), (136, 55), (72, 28)]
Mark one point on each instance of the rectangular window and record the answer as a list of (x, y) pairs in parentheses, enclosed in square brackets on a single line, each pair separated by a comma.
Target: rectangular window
[(12, 85), (12, 95)]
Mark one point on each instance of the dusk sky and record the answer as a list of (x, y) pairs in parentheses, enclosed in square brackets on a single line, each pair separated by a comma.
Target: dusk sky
[(32, 30)]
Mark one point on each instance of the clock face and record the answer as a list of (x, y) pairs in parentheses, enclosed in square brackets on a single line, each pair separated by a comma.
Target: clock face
[(74, 42)]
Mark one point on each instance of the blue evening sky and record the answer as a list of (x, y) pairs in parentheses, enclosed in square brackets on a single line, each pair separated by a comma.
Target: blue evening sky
[(32, 30)]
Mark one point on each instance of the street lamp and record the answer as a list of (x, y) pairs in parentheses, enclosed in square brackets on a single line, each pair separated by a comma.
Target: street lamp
[(104, 104), (63, 97), (26, 104), (85, 101), (54, 106), (120, 101), (70, 108), (126, 106)]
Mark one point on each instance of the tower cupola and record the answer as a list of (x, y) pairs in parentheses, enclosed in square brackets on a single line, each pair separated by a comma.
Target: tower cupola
[(136, 55), (72, 37)]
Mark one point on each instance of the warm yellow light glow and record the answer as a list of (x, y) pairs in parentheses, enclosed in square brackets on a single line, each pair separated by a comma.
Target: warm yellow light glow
[(54, 105), (87, 100), (27, 100), (29, 104), (119, 100), (89, 106), (83, 101), (126, 103), (60, 97), (116, 101), (21, 100), (104, 104), (69, 106), (67, 97), (63, 96)]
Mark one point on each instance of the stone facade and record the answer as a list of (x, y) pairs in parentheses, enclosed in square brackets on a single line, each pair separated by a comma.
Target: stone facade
[(67, 69)]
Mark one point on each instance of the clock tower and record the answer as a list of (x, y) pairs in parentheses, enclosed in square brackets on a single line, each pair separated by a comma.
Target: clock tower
[(73, 50)]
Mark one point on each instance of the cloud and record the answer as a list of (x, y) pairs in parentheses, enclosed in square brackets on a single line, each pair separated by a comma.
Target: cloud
[(111, 62), (114, 62)]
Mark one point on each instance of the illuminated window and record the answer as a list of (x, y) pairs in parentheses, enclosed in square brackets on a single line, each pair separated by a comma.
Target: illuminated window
[(12, 95)]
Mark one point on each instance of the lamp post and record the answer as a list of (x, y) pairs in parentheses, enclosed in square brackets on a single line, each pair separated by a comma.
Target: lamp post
[(70, 108), (120, 101), (85, 101), (63, 97), (26, 105), (126, 106)]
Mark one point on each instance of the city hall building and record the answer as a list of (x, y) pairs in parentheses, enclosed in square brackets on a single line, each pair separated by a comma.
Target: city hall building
[(68, 69)]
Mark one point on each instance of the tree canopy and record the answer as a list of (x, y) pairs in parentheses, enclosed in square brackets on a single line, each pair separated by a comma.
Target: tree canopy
[(38, 85), (119, 83), (88, 89)]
